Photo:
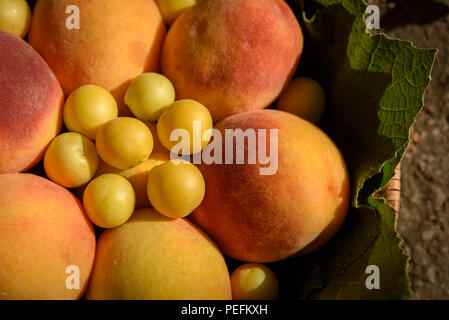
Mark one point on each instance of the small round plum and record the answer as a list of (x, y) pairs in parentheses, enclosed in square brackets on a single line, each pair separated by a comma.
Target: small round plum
[(138, 176), (253, 281), (124, 142), (109, 200), (71, 160), (185, 115), (15, 16), (171, 9), (148, 96), (175, 188), (304, 97), (88, 108)]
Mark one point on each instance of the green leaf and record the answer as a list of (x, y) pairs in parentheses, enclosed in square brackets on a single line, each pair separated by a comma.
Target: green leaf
[(338, 270), (375, 87), (384, 253)]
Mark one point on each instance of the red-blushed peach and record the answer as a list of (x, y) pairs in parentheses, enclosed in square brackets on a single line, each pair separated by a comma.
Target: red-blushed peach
[(47, 244), (156, 258), (30, 105), (116, 41), (297, 206), (232, 55)]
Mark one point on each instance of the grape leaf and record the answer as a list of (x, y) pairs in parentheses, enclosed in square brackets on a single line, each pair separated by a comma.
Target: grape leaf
[(385, 254), (375, 87)]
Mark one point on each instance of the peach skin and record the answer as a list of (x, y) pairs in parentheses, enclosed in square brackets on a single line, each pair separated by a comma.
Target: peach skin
[(265, 218), (116, 41), (47, 244), (156, 258), (30, 105), (232, 55)]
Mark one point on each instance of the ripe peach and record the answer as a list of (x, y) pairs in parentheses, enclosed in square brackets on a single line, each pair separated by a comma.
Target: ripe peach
[(153, 257), (30, 105), (265, 218), (304, 97), (44, 237), (116, 41), (232, 55)]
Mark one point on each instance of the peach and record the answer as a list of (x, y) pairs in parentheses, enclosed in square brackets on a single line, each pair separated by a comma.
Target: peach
[(232, 55), (156, 258), (30, 105), (295, 209), (46, 240), (116, 41)]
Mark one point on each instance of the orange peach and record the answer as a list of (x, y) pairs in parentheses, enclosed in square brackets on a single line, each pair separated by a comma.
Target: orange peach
[(260, 215), (30, 105), (232, 55), (116, 41), (153, 257), (47, 244)]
